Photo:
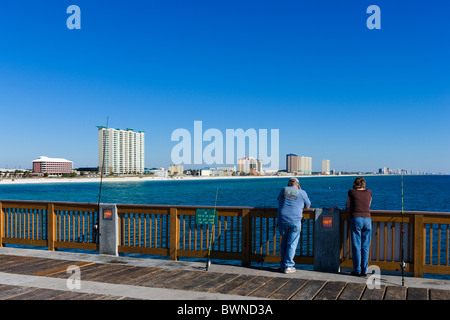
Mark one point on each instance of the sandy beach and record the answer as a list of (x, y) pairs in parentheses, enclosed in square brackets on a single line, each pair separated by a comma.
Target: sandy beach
[(141, 179)]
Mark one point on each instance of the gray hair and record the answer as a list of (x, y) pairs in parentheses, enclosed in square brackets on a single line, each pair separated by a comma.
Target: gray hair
[(293, 182)]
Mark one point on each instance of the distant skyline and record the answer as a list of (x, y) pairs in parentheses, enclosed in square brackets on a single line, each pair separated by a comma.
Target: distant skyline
[(363, 99)]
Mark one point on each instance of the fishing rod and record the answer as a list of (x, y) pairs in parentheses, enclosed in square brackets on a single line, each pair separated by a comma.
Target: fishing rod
[(402, 231), (96, 226), (208, 261), (263, 257)]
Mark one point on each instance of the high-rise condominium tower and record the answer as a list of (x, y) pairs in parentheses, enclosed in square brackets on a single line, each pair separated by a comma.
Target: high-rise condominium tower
[(295, 163), (123, 151), (326, 166)]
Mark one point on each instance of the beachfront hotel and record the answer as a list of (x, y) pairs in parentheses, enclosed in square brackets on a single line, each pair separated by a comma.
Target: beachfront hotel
[(52, 165), (123, 151), (295, 164)]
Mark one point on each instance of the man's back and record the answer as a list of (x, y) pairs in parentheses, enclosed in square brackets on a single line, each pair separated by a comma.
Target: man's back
[(291, 202)]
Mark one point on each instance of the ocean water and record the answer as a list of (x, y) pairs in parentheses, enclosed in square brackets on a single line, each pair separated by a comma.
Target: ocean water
[(420, 193)]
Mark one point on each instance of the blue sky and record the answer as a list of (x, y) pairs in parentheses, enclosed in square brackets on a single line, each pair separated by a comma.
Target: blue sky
[(336, 90)]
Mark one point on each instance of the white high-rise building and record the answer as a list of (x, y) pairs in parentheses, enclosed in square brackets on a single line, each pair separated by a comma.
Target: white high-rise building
[(326, 166), (304, 165), (123, 151)]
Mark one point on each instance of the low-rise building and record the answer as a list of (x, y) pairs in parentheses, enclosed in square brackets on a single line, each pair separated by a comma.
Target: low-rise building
[(52, 165)]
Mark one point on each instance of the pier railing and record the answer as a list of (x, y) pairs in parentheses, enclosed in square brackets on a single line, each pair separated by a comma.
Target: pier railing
[(241, 233), (245, 234), (425, 241)]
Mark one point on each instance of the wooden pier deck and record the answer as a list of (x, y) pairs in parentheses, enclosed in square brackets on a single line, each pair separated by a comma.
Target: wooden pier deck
[(120, 278)]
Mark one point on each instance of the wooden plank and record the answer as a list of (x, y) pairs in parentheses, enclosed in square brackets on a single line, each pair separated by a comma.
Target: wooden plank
[(149, 273), (252, 285), (289, 289), (64, 265), (88, 296), (118, 272), (150, 276), (223, 278), (395, 293), (83, 269), (246, 237), (270, 287), (174, 233), (353, 291), (130, 274), (331, 290), (42, 294), (438, 294), (374, 294), (121, 275), (309, 290), (419, 245), (7, 257), (23, 267), (14, 260), (178, 278), (35, 266), (17, 205), (158, 282), (51, 227), (203, 279), (18, 261), (100, 270), (233, 284), (69, 295), (10, 291), (54, 265), (76, 245), (25, 294), (108, 297), (417, 294), (187, 278)]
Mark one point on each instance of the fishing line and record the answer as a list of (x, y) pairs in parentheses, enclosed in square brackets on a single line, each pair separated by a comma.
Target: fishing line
[(96, 226), (208, 261), (402, 231), (263, 257)]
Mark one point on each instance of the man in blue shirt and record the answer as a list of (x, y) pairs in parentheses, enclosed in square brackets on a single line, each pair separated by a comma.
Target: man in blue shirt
[(291, 202)]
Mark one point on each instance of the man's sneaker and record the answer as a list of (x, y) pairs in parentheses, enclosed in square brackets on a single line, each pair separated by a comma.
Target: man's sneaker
[(289, 270)]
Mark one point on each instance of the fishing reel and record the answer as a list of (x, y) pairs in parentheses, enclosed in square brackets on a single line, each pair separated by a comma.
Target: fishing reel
[(402, 266)]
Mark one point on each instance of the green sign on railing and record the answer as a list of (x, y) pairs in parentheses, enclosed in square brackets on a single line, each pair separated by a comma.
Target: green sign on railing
[(206, 216)]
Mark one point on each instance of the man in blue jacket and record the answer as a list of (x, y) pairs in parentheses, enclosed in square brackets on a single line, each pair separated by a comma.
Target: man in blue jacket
[(291, 202)]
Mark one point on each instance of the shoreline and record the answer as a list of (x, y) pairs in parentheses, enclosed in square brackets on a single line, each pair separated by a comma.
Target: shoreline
[(19, 181)]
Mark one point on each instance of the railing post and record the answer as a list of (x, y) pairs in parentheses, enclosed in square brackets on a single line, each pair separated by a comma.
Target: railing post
[(246, 237), (2, 224), (51, 226), (327, 239), (108, 240), (174, 234), (419, 245)]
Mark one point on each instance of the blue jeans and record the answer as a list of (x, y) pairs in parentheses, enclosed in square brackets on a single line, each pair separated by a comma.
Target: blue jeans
[(361, 233), (290, 235)]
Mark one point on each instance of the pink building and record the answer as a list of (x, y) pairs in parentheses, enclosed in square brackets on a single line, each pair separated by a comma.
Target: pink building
[(52, 165)]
